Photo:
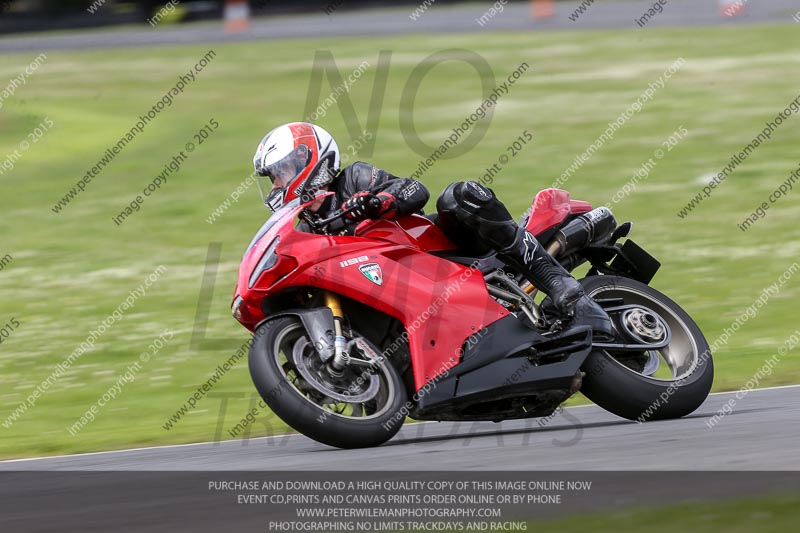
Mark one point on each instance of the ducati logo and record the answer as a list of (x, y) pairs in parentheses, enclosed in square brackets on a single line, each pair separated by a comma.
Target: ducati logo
[(373, 272)]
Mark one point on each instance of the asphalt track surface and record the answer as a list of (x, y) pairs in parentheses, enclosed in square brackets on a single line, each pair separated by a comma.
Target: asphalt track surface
[(750, 453), (436, 20), (760, 434)]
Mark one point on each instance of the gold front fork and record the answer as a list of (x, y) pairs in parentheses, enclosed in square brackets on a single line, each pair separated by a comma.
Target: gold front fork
[(341, 356), (333, 303)]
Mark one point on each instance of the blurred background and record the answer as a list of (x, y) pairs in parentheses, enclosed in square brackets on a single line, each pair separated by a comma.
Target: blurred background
[(695, 80), (699, 79), (38, 15)]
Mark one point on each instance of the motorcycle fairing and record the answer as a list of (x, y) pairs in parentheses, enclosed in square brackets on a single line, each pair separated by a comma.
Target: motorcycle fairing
[(414, 287), (509, 371), (551, 207)]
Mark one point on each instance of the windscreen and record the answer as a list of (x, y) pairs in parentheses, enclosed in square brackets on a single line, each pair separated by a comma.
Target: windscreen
[(276, 217)]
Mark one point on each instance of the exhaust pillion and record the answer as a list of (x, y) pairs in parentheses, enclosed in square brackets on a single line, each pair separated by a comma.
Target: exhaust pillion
[(357, 328)]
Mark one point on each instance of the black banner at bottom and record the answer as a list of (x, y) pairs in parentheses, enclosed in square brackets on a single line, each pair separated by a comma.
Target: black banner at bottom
[(349, 501)]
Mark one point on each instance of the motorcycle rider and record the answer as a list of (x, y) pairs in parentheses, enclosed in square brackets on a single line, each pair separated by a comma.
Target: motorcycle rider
[(296, 152), (470, 215)]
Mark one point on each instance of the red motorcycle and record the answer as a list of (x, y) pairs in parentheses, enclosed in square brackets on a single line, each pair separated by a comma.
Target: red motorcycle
[(357, 328)]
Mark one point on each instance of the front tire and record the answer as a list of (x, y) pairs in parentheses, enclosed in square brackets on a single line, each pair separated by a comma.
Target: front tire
[(304, 408), (629, 386)]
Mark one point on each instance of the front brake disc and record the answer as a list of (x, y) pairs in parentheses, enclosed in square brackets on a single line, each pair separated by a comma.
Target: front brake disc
[(311, 377)]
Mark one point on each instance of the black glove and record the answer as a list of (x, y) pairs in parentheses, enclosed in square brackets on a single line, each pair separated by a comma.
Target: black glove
[(364, 205)]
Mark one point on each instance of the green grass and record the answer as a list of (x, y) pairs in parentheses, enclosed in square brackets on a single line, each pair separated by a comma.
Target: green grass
[(70, 270), (775, 514)]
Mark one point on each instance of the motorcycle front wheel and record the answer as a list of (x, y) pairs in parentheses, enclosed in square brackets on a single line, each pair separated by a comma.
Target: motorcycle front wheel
[(648, 385), (354, 407)]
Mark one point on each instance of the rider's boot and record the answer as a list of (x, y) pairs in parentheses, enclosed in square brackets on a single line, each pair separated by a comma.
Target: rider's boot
[(567, 296), (476, 208)]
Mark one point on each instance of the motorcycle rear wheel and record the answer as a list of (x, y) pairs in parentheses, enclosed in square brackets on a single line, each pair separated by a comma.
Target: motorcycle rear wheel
[(668, 383), (301, 405)]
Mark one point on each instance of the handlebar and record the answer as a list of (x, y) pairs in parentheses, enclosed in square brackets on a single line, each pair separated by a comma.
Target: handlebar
[(338, 216), (327, 223)]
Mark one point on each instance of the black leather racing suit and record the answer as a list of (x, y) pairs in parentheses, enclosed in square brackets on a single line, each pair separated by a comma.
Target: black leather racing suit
[(399, 196), (472, 216), (468, 211)]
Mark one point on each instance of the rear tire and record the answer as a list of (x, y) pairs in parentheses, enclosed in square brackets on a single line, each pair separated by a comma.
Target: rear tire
[(619, 386), (292, 399)]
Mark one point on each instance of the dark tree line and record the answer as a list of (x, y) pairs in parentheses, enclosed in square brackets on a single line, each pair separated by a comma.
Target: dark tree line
[(30, 15)]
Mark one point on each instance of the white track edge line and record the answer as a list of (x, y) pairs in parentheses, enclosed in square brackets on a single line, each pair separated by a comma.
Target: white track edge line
[(286, 435)]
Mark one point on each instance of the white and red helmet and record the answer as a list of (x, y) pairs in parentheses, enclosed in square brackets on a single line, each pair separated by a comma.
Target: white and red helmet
[(295, 157)]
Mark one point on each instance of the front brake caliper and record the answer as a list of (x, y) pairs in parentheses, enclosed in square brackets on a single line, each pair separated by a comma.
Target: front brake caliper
[(370, 355)]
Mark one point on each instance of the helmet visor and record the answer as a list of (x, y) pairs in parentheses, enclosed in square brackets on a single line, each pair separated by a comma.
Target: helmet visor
[(281, 174)]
